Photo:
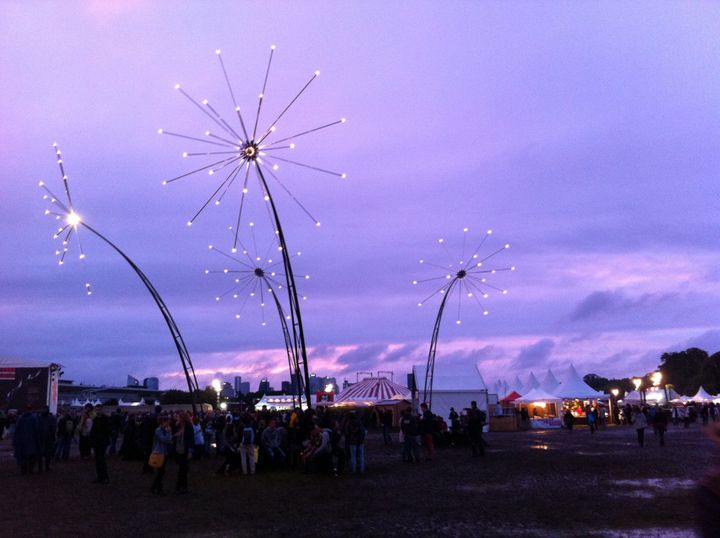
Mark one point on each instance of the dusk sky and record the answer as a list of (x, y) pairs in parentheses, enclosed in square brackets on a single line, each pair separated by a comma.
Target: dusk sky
[(585, 135)]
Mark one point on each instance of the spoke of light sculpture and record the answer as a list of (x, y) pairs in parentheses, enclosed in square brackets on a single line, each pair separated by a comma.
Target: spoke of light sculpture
[(254, 277), (468, 277), (70, 224), (240, 155)]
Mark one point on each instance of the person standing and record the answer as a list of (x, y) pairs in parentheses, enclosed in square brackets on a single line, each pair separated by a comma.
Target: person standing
[(184, 439), (568, 419), (661, 424), (26, 441), (247, 447), (475, 427), (65, 433), (162, 438), (356, 439), (100, 440), (639, 420), (48, 430), (84, 428), (592, 418), (427, 427), (116, 426), (409, 428)]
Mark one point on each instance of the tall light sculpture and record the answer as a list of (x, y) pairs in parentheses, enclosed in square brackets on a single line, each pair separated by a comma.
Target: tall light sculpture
[(256, 276), (467, 278), (240, 151), (71, 222)]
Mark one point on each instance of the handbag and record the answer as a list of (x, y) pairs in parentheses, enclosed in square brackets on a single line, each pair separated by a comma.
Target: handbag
[(157, 460)]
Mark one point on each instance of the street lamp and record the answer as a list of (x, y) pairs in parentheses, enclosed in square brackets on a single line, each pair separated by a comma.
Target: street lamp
[(616, 414), (217, 387), (638, 383)]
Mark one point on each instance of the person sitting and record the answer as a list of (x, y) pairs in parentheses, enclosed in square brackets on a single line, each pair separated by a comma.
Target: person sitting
[(271, 443)]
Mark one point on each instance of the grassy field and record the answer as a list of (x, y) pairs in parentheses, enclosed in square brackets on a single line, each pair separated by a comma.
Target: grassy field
[(544, 483)]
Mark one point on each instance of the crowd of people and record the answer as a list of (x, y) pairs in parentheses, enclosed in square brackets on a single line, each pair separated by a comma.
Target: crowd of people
[(314, 440)]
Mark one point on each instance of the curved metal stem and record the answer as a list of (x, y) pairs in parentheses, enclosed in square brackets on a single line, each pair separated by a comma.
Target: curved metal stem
[(298, 335), (292, 357), (430, 368), (174, 331)]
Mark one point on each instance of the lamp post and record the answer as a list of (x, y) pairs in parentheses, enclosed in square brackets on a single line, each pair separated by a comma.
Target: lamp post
[(638, 383), (614, 394), (217, 387)]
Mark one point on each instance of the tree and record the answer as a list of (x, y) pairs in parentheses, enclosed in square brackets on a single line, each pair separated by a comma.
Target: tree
[(684, 369), (711, 374), (174, 396)]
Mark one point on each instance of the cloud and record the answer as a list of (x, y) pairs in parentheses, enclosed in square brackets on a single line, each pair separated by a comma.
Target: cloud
[(604, 303), (363, 357), (709, 341), (535, 354)]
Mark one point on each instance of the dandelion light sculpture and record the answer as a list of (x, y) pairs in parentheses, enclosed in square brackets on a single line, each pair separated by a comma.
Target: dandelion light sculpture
[(467, 278), (242, 154), (71, 223), (254, 276)]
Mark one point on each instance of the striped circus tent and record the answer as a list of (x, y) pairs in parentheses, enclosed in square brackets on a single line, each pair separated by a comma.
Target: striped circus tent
[(371, 391)]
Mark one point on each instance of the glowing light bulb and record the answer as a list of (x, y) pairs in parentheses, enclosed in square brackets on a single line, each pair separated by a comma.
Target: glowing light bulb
[(275, 167), (512, 268), (217, 202), (470, 294), (73, 219), (317, 224), (184, 154), (207, 133), (485, 313), (41, 183), (414, 282), (245, 190), (164, 183), (204, 101), (267, 198), (225, 271), (82, 256), (458, 322), (272, 47), (237, 316), (441, 240), (292, 145), (317, 73), (343, 120), (422, 261), (189, 223), (177, 86), (211, 172), (489, 232), (307, 277), (207, 271), (419, 304), (233, 250), (465, 229), (218, 52), (343, 176), (217, 298), (504, 292), (507, 245)]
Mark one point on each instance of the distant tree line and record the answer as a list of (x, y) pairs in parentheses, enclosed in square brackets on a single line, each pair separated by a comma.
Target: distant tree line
[(685, 370)]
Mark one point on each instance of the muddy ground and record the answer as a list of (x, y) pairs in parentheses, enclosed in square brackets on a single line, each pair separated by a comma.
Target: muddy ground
[(544, 483)]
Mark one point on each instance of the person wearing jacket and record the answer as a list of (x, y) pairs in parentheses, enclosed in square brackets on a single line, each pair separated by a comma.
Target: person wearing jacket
[(161, 445), (26, 441), (640, 422), (184, 439), (100, 440)]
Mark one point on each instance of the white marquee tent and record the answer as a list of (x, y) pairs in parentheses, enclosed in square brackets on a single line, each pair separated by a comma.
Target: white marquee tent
[(572, 386), (453, 386), (550, 382)]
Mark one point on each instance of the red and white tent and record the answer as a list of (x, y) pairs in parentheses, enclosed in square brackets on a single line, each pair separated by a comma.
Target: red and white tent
[(372, 390)]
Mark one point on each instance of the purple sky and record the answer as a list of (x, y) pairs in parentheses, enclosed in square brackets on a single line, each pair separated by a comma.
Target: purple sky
[(586, 136)]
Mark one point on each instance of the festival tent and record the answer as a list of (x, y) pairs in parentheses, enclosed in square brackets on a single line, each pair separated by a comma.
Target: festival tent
[(702, 396), (371, 391), (550, 382), (510, 397), (573, 387), (538, 395), (516, 386), (280, 402), (532, 383), (454, 386)]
